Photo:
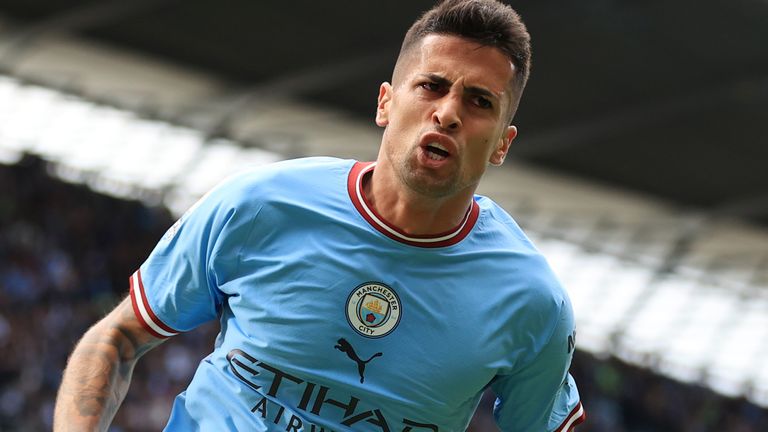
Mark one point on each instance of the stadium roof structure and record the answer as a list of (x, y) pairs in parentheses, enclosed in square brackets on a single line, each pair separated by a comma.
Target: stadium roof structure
[(665, 98)]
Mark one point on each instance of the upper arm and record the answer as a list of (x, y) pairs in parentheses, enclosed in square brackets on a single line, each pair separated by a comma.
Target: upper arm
[(541, 395), (179, 286)]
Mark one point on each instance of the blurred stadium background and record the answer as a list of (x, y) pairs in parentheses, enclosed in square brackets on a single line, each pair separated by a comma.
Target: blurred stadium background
[(641, 171)]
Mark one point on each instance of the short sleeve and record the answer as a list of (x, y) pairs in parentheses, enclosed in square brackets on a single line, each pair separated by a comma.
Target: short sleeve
[(542, 396), (177, 287)]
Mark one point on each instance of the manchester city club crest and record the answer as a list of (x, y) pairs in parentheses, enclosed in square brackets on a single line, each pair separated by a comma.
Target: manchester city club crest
[(373, 309)]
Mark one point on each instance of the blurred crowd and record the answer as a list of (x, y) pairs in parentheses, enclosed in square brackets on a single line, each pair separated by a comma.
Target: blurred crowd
[(65, 257), (623, 398)]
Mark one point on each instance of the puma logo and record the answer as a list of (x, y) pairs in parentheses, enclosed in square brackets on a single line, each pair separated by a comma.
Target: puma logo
[(346, 348)]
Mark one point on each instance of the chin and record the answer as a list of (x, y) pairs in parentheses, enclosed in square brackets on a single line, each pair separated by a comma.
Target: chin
[(432, 187)]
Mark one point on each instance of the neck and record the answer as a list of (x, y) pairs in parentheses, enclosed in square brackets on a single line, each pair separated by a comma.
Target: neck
[(410, 211)]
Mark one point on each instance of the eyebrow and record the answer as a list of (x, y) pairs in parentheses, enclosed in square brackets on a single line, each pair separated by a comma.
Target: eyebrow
[(478, 91)]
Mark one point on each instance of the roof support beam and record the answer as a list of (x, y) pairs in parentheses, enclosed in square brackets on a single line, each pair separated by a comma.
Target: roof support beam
[(94, 14), (575, 135)]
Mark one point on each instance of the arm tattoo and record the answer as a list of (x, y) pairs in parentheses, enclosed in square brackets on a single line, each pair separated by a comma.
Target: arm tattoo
[(94, 381), (100, 368)]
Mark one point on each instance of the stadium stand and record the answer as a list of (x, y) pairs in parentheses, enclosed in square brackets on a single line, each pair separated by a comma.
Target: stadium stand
[(65, 252)]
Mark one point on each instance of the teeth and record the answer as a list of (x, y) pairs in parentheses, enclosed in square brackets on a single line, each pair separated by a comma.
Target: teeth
[(434, 156), (437, 145)]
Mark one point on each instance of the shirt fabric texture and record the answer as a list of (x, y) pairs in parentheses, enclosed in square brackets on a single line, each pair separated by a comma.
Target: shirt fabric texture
[(333, 320)]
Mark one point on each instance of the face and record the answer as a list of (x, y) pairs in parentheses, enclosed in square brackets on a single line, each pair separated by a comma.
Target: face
[(446, 115)]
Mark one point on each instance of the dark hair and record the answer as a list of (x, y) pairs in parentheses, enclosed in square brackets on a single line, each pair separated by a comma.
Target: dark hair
[(487, 22)]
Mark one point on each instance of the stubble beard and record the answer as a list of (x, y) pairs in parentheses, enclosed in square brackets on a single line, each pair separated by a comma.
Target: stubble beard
[(425, 182)]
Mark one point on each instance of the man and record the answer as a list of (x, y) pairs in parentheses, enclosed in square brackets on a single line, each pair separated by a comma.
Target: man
[(357, 296)]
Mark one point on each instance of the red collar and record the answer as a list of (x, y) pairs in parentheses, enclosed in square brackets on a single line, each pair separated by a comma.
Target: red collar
[(448, 238)]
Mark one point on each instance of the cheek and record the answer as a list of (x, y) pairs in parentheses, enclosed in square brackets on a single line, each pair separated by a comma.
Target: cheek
[(406, 119), (485, 149), (479, 156), (408, 113)]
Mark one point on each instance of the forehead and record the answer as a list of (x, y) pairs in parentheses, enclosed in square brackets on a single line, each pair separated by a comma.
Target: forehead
[(456, 58)]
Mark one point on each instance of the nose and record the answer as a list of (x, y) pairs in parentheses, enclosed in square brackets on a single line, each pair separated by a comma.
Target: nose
[(447, 114)]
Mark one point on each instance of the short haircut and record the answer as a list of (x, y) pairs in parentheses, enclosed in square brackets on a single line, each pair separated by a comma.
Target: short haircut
[(487, 22)]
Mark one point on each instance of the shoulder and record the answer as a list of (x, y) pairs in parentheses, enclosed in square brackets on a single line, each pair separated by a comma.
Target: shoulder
[(288, 172), (295, 176), (534, 294), (495, 218), (239, 198), (499, 232)]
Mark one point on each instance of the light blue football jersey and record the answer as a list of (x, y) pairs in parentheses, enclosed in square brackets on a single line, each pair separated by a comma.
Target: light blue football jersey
[(333, 320)]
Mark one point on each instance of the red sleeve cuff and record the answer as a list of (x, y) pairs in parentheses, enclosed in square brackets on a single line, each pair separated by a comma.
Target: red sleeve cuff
[(575, 417), (143, 311)]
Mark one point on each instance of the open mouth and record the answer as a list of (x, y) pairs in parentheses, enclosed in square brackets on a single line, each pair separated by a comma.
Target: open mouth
[(436, 152)]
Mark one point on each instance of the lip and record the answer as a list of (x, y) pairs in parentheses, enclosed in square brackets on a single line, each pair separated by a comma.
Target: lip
[(446, 141)]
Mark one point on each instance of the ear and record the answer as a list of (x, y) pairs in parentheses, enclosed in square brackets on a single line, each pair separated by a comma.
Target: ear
[(500, 152), (382, 108)]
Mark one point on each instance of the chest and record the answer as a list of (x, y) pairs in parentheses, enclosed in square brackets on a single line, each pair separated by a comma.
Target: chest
[(330, 305)]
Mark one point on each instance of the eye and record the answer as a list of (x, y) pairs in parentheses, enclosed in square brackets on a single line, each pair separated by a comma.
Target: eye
[(430, 86), (483, 102)]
